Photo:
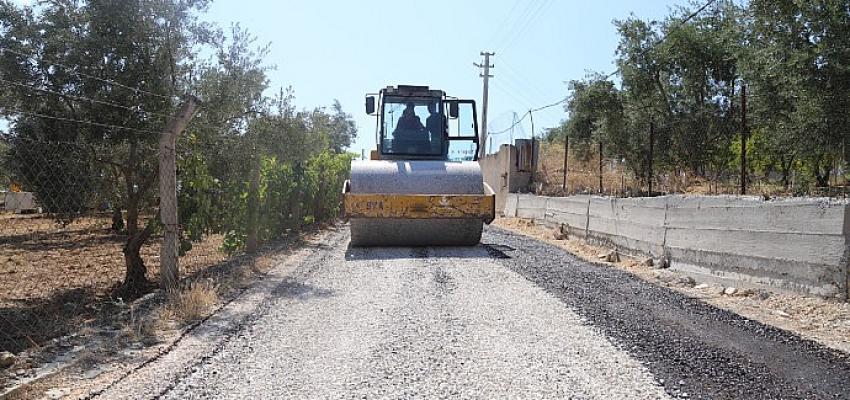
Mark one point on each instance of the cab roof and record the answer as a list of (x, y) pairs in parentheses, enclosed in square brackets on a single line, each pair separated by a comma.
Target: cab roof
[(411, 90)]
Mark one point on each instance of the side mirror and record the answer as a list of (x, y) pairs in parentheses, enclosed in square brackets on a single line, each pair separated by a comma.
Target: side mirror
[(370, 105), (453, 110)]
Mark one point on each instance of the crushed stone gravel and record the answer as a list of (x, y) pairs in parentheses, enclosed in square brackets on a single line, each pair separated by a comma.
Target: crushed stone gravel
[(511, 318)]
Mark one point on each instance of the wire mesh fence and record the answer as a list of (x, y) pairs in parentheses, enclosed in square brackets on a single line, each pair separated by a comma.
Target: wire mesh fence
[(583, 174), (63, 232), (71, 209)]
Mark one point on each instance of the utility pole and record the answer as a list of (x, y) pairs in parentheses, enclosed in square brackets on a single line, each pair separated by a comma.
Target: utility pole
[(743, 138), (651, 152), (533, 148), (486, 75)]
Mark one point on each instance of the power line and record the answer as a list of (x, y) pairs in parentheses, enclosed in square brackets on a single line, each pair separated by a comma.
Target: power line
[(98, 124), (527, 113), (520, 81), (517, 23), (81, 98), (562, 101), (532, 19), (509, 89), (517, 122), (543, 5), (513, 88), (108, 81), (496, 35), (514, 23), (519, 77)]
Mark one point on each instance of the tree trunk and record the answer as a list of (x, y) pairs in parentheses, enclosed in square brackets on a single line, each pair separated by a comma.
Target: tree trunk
[(786, 171), (821, 177), (117, 219), (135, 282)]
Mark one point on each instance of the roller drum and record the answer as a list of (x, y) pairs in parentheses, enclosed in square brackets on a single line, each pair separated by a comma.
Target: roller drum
[(415, 177)]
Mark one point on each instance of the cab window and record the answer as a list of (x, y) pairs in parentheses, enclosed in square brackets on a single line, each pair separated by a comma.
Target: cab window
[(412, 126)]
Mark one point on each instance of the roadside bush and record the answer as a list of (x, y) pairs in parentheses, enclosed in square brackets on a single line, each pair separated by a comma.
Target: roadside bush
[(291, 195)]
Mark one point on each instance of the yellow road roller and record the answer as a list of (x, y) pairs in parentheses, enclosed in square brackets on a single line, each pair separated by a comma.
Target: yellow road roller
[(422, 186)]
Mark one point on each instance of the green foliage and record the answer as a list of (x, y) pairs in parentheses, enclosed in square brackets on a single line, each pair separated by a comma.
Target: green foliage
[(63, 177), (595, 111), (5, 166), (759, 154), (198, 199), (688, 78), (292, 195), (234, 241), (296, 156), (142, 55), (145, 54)]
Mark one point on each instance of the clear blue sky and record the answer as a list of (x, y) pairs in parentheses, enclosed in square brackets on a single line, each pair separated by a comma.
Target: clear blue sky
[(344, 49)]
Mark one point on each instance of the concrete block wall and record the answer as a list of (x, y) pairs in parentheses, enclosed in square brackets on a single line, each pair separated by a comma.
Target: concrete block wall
[(633, 224), (798, 245), (495, 170), (501, 170), (19, 201)]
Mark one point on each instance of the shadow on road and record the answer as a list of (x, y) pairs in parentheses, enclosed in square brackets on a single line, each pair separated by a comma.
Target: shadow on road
[(483, 250), (300, 290)]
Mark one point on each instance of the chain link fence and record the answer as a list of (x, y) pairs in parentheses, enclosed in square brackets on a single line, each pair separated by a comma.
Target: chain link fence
[(65, 224), (583, 177)]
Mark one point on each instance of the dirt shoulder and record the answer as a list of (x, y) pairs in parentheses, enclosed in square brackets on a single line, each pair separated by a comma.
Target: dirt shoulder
[(822, 320), (56, 279), (108, 349)]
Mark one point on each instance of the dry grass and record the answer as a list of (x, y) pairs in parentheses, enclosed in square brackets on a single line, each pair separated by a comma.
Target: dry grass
[(137, 327), (583, 178), (55, 279), (583, 175), (193, 302)]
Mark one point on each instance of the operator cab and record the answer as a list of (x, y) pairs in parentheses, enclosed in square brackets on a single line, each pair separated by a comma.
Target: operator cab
[(417, 123)]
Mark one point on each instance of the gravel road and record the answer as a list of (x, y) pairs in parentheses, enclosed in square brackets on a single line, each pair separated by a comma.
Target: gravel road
[(512, 318)]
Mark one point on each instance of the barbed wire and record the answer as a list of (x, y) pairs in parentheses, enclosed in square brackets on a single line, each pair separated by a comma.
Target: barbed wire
[(81, 98), (83, 74), (92, 123)]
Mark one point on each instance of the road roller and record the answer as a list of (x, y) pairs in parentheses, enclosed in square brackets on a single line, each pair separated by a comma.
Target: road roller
[(422, 185)]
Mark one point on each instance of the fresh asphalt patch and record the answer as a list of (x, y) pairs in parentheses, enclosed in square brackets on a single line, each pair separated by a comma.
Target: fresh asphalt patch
[(689, 346)]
